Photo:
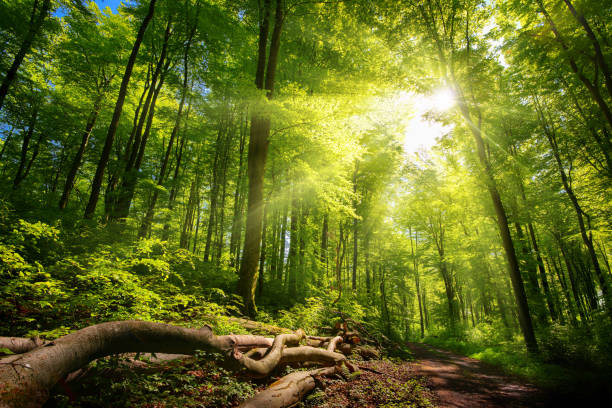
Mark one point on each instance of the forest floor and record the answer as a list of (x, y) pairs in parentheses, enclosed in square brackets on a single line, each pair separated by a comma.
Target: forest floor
[(459, 381)]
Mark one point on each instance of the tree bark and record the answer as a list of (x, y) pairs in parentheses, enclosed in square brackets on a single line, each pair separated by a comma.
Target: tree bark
[(112, 129)]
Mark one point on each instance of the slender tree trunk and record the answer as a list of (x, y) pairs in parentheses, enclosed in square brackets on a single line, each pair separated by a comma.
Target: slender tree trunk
[(547, 293), (78, 158), (148, 219), (355, 226), (130, 177), (175, 180), (262, 258), (6, 142), (189, 213), (112, 129), (238, 201), (214, 193), (502, 223), (24, 148), (37, 19), (110, 196), (385, 307), (293, 250), (283, 243), (324, 242), (197, 226), (563, 283)]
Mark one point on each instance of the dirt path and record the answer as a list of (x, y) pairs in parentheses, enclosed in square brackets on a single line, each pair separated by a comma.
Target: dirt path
[(460, 381)]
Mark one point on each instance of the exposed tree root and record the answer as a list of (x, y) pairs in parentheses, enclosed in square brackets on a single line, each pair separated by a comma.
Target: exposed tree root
[(289, 390)]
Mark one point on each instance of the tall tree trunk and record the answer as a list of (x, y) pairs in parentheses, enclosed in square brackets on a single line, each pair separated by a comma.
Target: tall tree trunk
[(283, 243), (355, 226), (214, 189), (25, 147), (175, 180), (547, 293), (112, 129), (189, 213), (8, 138), (37, 19), (258, 152), (563, 283), (302, 247), (78, 158), (148, 219), (238, 199), (385, 308), (130, 176), (262, 258), (110, 195), (324, 242), (292, 262)]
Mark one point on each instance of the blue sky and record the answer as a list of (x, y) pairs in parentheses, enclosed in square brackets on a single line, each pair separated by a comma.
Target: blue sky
[(113, 4), (102, 4)]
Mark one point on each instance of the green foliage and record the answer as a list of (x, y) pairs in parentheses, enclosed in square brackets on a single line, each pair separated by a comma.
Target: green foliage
[(196, 382)]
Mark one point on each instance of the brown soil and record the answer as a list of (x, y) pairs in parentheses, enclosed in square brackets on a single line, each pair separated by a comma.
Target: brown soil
[(460, 381)]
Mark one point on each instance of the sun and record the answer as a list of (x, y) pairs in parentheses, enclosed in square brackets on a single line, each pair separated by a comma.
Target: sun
[(423, 131), (441, 100)]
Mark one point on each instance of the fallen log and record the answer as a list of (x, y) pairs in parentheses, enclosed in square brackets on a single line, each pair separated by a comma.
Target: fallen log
[(289, 390), (25, 379)]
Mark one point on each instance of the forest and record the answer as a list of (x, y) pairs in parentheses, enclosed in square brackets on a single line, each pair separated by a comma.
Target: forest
[(265, 203)]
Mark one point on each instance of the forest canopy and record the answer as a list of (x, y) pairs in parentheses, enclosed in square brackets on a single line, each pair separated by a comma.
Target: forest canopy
[(441, 170)]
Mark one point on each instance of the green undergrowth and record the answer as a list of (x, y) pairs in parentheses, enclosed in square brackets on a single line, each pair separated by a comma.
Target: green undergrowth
[(201, 381)]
